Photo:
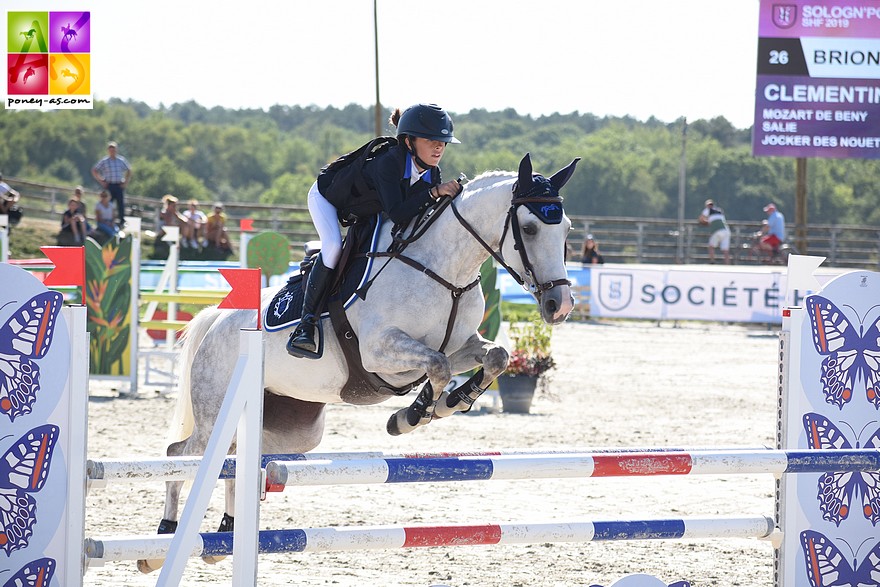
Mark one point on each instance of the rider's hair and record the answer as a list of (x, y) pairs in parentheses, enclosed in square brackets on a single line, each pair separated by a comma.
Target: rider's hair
[(395, 117)]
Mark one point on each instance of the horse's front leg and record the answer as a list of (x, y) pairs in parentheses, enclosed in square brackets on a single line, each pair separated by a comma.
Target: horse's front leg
[(475, 352), (395, 352)]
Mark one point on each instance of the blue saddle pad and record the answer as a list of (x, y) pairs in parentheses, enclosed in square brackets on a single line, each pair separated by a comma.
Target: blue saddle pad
[(285, 309)]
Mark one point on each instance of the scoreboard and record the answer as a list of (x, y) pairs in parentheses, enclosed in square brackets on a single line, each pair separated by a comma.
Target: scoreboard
[(818, 82)]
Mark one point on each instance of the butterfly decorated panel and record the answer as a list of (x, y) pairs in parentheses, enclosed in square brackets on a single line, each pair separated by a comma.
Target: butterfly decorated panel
[(832, 519), (34, 365)]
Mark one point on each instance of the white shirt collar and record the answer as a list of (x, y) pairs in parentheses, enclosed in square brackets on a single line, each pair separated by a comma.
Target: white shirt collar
[(414, 173)]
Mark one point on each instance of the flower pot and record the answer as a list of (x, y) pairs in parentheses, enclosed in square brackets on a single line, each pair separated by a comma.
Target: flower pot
[(516, 392)]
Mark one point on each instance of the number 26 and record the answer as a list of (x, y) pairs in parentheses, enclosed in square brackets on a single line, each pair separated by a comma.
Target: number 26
[(779, 57)]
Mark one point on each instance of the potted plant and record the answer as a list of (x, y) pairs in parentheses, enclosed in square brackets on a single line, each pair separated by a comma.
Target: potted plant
[(530, 359)]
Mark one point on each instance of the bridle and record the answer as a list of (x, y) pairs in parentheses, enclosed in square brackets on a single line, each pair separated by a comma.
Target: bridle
[(539, 193)]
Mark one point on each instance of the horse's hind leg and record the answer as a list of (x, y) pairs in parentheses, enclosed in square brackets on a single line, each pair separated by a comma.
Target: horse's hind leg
[(289, 426), (172, 502), (475, 352)]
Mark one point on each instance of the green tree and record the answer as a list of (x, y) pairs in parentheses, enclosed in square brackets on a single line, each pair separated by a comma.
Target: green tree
[(154, 179)]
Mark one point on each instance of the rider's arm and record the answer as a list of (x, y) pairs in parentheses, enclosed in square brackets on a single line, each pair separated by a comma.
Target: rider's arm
[(386, 175)]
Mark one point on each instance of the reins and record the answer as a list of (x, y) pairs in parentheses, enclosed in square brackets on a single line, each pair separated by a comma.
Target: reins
[(511, 223)]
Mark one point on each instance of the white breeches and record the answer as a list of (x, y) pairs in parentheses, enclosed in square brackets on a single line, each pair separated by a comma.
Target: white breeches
[(326, 221)]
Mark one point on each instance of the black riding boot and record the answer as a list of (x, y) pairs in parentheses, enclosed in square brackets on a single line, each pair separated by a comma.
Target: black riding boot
[(302, 340)]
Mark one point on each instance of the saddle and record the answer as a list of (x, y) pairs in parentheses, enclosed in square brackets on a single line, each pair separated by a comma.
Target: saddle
[(348, 283)]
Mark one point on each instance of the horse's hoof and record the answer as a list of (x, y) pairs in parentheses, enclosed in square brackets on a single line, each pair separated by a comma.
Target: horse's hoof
[(393, 426), (213, 560), (399, 424), (149, 565)]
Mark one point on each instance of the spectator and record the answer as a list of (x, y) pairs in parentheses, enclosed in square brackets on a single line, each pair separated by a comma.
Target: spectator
[(775, 231), (755, 251), (73, 225), (216, 229), (105, 217), (81, 207), (169, 215), (9, 203), (113, 173), (590, 254), (713, 217), (194, 230)]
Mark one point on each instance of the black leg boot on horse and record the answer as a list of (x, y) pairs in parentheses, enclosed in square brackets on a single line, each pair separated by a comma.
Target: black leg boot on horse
[(302, 342)]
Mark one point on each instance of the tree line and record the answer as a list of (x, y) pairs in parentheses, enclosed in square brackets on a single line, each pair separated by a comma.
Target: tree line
[(628, 167)]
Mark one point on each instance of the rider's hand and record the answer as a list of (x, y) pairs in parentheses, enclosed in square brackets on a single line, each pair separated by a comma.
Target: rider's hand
[(449, 189)]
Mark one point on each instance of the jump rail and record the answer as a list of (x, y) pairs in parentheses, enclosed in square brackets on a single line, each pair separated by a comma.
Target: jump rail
[(346, 538), (102, 471), (280, 474)]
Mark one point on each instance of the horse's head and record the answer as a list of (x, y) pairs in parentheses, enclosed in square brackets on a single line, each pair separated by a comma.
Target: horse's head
[(539, 228)]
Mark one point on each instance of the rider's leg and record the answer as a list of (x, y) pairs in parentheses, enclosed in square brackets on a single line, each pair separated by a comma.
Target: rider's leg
[(325, 218), (304, 335)]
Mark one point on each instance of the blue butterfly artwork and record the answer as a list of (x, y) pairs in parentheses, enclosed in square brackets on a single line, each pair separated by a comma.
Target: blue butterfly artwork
[(828, 567), (836, 490), (24, 469), (850, 356), (25, 337), (36, 573)]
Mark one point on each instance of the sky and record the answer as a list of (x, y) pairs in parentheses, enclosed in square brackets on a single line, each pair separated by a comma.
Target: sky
[(639, 58)]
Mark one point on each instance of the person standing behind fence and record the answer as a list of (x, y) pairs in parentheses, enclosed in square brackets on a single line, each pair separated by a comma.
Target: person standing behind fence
[(590, 254), (713, 217), (113, 173), (775, 231)]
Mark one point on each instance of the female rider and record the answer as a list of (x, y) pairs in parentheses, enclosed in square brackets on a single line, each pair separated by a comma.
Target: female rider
[(403, 181)]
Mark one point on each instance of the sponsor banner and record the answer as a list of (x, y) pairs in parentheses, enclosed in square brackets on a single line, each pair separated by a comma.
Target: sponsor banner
[(818, 80), (667, 293)]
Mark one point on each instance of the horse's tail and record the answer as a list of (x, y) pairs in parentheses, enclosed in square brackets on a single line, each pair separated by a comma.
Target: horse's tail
[(193, 335)]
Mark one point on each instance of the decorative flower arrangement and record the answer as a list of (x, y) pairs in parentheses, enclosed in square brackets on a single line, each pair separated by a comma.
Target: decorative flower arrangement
[(531, 348)]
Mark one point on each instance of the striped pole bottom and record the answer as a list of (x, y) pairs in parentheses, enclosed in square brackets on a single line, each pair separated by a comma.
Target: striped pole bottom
[(349, 538)]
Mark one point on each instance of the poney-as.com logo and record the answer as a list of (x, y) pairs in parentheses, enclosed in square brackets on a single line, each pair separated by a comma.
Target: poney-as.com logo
[(48, 60)]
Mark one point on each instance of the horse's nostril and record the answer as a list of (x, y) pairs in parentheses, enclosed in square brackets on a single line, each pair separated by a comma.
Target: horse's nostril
[(551, 306)]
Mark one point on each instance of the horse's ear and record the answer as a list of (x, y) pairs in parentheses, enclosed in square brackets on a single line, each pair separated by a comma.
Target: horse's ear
[(525, 173), (561, 177)]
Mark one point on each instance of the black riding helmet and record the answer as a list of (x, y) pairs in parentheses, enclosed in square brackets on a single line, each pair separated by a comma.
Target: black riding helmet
[(427, 121)]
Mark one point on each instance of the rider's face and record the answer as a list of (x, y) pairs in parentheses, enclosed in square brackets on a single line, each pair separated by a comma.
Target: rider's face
[(427, 150)]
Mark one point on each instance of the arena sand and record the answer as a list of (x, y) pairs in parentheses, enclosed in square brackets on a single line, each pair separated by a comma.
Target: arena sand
[(616, 385)]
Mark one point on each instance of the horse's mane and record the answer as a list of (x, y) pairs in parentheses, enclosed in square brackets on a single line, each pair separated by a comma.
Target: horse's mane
[(488, 179)]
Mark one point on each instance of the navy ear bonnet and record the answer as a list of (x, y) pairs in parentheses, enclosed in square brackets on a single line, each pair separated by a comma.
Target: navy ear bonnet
[(549, 212)]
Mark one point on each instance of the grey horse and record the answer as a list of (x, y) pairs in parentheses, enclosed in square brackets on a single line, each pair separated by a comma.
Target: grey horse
[(515, 217)]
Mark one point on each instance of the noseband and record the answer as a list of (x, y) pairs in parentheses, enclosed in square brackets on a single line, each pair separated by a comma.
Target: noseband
[(537, 194)]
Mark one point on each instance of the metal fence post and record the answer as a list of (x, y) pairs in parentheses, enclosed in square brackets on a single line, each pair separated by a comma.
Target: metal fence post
[(832, 244), (640, 240)]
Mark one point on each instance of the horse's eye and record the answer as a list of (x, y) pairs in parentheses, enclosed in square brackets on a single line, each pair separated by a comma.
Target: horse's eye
[(530, 229)]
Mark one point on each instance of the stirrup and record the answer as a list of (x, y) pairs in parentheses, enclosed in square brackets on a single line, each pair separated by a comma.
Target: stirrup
[(304, 353)]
